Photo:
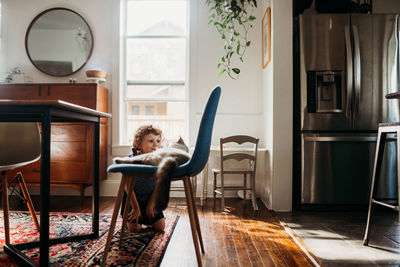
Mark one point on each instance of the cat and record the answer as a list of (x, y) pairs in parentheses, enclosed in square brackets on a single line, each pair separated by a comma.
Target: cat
[(167, 159)]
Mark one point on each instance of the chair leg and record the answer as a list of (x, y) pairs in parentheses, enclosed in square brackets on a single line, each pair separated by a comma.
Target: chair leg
[(28, 199), (380, 146), (253, 191), (244, 186), (186, 184), (196, 217), (215, 187), (114, 219), (222, 193), (131, 183), (5, 206)]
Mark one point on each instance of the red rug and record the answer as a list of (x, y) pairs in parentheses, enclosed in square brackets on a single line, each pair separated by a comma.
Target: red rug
[(145, 248)]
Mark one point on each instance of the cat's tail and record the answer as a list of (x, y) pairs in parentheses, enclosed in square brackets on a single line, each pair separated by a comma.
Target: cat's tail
[(163, 183)]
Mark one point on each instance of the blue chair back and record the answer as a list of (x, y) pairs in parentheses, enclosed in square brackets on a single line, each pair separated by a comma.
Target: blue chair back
[(202, 149)]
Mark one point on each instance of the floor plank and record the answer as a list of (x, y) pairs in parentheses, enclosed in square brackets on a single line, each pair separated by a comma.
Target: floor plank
[(237, 236)]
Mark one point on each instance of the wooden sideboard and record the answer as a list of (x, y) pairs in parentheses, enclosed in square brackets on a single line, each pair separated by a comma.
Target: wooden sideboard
[(71, 143)]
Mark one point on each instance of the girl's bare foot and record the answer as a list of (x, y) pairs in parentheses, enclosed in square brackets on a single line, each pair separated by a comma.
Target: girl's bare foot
[(159, 225)]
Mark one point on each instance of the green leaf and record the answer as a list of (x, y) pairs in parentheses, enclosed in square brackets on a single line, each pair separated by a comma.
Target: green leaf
[(248, 43), (236, 70), (238, 48), (222, 72), (223, 59), (219, 65)]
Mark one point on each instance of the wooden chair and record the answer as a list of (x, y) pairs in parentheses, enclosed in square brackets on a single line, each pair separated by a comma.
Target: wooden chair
[(237, 156), (183, 172), (20, 145)]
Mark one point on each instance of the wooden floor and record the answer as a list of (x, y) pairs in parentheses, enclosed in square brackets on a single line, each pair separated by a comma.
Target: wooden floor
[(238, 236)]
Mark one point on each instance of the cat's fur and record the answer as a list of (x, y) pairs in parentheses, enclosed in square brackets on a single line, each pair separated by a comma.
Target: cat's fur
[(167, 159)]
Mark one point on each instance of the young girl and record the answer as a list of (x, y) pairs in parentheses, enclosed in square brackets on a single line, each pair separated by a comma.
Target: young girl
[(147, 139)]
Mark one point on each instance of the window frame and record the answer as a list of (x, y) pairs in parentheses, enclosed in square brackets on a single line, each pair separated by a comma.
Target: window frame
[(124, 83)]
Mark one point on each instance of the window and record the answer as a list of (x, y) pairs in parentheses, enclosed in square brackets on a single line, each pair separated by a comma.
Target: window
[(135, 110), (154, 66)]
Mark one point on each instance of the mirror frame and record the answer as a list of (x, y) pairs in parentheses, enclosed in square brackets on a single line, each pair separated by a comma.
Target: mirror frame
[(33, 22)]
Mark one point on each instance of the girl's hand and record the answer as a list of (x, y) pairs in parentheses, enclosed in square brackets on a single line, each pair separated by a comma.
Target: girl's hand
[(134, 214)]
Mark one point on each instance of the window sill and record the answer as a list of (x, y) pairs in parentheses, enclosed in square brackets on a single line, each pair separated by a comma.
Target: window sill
[(121, 150)]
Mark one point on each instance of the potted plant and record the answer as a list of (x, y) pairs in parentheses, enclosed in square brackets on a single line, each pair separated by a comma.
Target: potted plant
[(232, 19)]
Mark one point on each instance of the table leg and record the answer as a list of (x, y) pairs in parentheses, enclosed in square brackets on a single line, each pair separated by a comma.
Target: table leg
[(95, 198), (45, 190)]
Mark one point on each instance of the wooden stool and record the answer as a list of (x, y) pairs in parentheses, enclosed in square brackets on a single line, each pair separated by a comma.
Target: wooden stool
[(383, 130)]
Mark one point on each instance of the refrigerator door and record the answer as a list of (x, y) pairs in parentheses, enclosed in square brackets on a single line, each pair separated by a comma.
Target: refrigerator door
[(325, 72), (337, 169), (375, 54)]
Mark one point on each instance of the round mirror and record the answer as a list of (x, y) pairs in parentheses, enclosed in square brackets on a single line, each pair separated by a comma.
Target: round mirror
[(58, 42)]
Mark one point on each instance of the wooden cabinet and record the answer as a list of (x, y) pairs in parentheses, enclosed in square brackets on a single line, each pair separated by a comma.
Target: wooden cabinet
[(71, 143)]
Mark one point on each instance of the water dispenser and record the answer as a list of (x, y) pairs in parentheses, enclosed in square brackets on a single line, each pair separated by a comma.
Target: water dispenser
[(324, 91)]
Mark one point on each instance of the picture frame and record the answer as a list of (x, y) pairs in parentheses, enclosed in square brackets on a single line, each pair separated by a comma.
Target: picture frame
[(266, 38)]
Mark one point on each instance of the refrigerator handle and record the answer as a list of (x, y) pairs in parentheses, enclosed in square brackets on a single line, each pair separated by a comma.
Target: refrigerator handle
[(357, 71), (349, 62)]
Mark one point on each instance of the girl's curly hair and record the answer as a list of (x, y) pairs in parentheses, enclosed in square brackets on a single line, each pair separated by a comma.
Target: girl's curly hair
[(141, 132)]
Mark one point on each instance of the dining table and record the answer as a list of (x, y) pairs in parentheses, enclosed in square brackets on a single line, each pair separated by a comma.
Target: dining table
[(45, 112)]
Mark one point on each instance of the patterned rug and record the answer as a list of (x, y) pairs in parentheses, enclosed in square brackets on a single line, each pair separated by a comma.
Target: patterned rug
[(145, 248)]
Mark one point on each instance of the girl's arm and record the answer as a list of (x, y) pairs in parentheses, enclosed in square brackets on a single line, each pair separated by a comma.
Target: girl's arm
[(135, 212), (150, 208)]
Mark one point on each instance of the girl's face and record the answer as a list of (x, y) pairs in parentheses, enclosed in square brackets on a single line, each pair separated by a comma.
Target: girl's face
[(150, 143)]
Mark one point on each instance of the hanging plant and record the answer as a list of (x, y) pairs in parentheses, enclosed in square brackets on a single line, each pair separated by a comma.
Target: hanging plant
[(232, 19)]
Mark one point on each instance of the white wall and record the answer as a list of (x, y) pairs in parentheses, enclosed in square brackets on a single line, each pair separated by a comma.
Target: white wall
[(277, 81), (17, 15), (242, 106)]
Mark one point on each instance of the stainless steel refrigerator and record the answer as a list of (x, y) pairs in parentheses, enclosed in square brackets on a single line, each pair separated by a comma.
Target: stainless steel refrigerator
[(348, 63)]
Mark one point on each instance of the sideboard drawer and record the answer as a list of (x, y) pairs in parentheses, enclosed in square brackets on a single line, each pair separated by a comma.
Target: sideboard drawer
[(68, 132), (71, 151)]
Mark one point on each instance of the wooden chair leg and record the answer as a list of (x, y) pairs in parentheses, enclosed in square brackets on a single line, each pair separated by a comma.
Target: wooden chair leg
[(5, 206), (196, 217), (131, 183), (244, 186), (215, 187), (28, 199), (186, 184), (222, 193), (253, 191), (114, 219)]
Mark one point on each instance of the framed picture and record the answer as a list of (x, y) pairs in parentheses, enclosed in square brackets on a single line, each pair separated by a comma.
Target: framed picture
[(266, 38)]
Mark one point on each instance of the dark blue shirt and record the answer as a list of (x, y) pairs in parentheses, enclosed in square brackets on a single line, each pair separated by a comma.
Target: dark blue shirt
[(143, 188)]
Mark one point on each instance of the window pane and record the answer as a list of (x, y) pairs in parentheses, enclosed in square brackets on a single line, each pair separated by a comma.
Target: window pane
[(156, 18), (155, 59), (155, 91), (135, 110), (149, 110), (168, 116)]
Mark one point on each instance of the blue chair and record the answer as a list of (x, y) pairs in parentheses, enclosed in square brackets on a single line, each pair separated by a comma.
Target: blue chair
[(191, 168)]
